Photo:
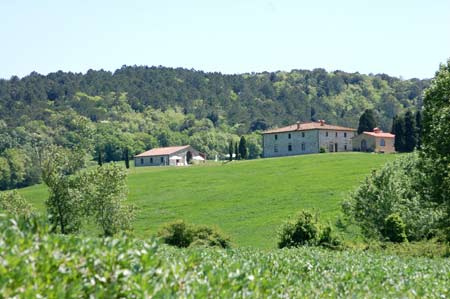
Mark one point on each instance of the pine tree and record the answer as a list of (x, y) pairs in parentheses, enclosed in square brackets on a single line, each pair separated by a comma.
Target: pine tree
[(367, 121), (410, 131), (243, 148)]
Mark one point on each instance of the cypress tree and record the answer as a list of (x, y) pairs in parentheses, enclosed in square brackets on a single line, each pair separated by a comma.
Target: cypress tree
[(398, 128), (230, 150), (126, 157), (99, 157), (367, 121), (243, 148), (410, 131), (236, 151)]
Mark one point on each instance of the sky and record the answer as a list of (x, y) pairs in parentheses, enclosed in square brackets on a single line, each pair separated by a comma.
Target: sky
[(401, 38)]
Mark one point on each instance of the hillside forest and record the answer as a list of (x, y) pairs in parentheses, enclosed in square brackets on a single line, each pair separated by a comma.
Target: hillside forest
[(136, 108)]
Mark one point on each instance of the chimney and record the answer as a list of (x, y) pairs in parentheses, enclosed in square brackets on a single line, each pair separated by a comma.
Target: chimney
[(298, 125), (322, 122), (377, 130)]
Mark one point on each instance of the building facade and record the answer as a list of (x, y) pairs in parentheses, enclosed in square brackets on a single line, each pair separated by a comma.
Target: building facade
[(376, 141), (168, 156), (307, 138)]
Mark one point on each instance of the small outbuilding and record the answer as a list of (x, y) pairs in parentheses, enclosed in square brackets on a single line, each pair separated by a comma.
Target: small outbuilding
[(169, 156), (376, 141)]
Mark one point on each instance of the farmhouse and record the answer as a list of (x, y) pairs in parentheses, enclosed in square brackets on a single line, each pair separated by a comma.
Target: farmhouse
[(307, 138), (173, 156), (376, 141)]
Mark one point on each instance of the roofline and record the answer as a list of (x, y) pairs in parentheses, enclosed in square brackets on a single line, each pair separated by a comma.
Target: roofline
[(183, 148), (312, 129)]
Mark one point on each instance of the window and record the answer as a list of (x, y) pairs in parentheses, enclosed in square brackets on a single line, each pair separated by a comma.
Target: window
[(289, 135), (336, 134), (345, 134), (276, 137), (303, 147), (162, 159), (303, 134), (275, 148), (382, 142), (345, 147), (142, 160), (326, 134), (151, 160), (290, 147)]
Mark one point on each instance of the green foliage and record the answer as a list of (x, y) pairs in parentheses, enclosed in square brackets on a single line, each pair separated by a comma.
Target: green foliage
[(34, 264), (394, 228), (367, 121), (14, 204), (302, 230), (105, 189), (182, 235), (436, 139), (322, 150), (177, 233), (396, 188), (243, 151)]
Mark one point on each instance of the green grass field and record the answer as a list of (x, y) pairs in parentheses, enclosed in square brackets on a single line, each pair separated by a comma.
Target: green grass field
[(247, 199)]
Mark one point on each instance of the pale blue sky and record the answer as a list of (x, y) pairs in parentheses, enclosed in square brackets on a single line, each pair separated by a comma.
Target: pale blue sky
[(400, 38)]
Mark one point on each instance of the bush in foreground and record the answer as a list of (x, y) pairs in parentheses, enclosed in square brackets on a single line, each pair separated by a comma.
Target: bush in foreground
[(305, 229), (182, 234)]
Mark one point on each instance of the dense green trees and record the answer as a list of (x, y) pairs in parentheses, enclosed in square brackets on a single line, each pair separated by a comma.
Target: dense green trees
[(436, 138), (407, 130)]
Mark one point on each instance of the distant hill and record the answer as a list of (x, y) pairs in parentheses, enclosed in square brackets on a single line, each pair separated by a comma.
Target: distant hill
[(139, 108)]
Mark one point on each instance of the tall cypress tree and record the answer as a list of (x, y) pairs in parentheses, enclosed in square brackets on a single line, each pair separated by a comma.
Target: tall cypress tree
[(126, 156), (398, 128), (236, 151), (367, 121), (410, 131), (243, 148), (230, 150)]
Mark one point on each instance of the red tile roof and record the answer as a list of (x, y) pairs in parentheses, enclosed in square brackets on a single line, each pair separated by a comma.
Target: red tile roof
[(161, 151), (380, 134), (308, 126)]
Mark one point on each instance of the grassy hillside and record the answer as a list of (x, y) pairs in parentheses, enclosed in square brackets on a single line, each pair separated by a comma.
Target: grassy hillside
[(248, 199)]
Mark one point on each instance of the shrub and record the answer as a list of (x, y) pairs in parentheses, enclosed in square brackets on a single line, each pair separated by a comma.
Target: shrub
[(303, 230), (395, 229), (209, 236), (177, 233), (182, 234), (322, 150), (13, 203), (328, 239)]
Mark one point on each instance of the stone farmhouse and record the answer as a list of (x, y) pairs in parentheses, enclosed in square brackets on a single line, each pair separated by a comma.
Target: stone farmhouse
[(376, 141), (307, 138), (168, 156)]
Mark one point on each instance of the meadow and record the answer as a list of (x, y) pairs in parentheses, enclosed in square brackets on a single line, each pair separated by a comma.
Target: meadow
[(248, 200)]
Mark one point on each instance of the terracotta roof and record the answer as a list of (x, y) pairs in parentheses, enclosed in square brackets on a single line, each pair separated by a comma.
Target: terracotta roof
[(161, 151), (308, 126), (380, 134)]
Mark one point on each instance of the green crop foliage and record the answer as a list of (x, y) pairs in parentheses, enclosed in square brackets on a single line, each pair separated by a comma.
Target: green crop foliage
[(38, 265)]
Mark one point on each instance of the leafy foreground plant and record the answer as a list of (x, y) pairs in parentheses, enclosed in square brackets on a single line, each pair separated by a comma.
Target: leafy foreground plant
[(34, 264)]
